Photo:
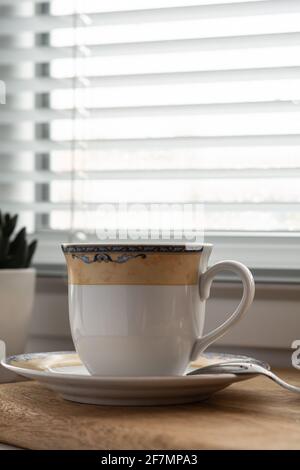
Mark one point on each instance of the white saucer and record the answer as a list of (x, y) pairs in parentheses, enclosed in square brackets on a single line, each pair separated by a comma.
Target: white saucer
[(64, 373)]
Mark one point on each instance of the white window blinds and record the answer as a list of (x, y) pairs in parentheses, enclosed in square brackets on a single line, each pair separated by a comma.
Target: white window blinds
[(153, 101)]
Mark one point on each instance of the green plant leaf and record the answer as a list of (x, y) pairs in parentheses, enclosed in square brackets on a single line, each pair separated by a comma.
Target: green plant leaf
[(8, 263), (9, 224), (20, 254), (1, 243), (4, 244), (30, 252), (18, 240), (17, 253)]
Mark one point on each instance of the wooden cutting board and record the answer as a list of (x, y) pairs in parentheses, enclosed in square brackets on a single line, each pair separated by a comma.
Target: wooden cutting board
[(256, 414)]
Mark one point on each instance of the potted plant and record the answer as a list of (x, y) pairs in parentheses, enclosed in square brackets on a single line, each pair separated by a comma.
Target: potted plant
[(17, 283)]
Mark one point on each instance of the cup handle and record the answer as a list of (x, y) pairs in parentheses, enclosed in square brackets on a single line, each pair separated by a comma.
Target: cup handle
[(205, 283)]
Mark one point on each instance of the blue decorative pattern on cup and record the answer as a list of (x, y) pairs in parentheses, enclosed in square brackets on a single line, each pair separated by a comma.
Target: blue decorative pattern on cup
[(104, 257)]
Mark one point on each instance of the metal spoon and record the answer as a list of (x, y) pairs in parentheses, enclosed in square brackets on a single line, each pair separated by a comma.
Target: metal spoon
[(237, 368)]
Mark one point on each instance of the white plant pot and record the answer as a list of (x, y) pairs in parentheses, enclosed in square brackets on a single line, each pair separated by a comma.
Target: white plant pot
[(16, 302)]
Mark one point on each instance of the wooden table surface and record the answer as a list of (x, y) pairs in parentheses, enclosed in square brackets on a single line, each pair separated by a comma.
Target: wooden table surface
[(256, 414)]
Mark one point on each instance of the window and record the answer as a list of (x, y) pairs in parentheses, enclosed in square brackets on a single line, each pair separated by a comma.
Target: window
[(154, 101)]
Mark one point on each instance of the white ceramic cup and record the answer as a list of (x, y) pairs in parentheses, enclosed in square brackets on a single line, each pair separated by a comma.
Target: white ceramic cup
[(139, 310)]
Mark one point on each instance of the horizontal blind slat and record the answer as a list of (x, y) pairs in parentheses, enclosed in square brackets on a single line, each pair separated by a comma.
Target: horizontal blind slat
[(42, 84), (116, 5), (282, 111), (180, 142), (42, 115), (45, 207), (168, 174), (48, 23), (18, 2), (84, 6), (44, 54)]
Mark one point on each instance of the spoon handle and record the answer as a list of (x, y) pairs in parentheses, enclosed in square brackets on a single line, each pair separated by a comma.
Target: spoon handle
[(243, 368), (257, 369), (279, 381)]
